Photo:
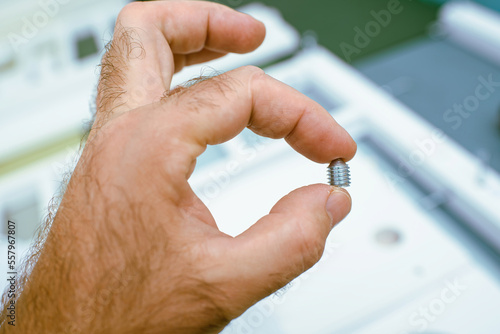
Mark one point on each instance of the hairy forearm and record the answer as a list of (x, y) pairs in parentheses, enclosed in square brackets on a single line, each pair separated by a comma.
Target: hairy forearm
[(76, 283), (100, 267)]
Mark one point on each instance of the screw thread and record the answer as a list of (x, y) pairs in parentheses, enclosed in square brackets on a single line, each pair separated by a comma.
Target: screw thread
[(339, 174)]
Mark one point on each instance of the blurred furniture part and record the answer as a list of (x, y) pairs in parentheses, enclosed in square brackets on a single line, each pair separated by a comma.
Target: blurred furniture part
[(451, 78)]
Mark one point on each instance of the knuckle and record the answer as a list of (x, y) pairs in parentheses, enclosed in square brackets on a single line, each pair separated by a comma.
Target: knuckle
[(131, 10), (254, 71), (255, 75)]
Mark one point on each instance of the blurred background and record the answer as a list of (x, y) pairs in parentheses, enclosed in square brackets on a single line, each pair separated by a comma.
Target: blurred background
[(417, 84)]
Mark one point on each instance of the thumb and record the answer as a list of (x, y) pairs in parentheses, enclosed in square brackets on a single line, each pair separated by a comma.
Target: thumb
[(289, 240)]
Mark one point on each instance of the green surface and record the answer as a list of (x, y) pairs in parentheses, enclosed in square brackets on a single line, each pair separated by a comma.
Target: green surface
[(86, 46), (334, 21)]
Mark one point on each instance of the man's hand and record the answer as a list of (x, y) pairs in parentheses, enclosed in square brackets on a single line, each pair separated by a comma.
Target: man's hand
[(132, 249)]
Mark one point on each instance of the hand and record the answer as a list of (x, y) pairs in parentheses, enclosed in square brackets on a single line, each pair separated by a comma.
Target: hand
[(132, 249)]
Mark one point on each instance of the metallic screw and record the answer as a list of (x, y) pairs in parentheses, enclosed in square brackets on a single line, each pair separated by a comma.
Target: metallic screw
[(338, 174)]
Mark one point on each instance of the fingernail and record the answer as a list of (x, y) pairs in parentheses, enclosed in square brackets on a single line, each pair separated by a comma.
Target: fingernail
[(338, 205)]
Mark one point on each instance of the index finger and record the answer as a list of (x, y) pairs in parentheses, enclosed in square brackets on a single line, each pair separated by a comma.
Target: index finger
[(216, 110)]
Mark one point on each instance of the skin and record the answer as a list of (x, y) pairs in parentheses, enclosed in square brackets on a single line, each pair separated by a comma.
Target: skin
[(132, 249)]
